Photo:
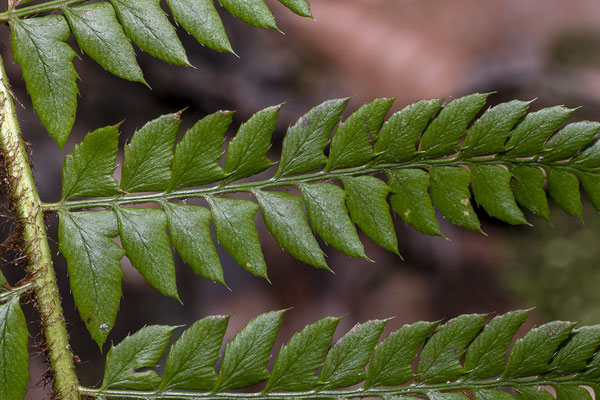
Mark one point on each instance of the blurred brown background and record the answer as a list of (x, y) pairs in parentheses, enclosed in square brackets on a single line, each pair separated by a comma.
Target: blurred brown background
[(409, 49)]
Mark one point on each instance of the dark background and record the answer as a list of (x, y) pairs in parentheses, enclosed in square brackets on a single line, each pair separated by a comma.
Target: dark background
[(409, 49)]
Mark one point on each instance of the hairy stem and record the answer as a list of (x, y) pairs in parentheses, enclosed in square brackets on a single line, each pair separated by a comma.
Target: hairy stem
[(337, 394), (31, 220), (121, 200)]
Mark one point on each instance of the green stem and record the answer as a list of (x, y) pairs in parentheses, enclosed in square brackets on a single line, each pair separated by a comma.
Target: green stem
[(336, 394), (16, 291), (36, 9), (121, 200), (30, 216)]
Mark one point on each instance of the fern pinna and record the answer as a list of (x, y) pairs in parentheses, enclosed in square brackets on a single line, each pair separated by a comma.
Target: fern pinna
[(103, 30), (506, 155), (464, 358)]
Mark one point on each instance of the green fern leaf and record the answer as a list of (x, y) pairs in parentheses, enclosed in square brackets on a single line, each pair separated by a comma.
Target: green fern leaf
[(252, 12), (39, 47), (14, 362), (143, 349), (567, 142), (147, 159), (246, 355), (145, 241), (235, 229), (286, 221), (528, 188), (450, 194), (247, 151), (297, 363), (563, 187), (345, 363), (148, 26), (191, 360), (196, 160), (370, 211), (200, 18), (326, 209), (88, 170), (100, 35), (300, 7), (93, 262), (190, 233)]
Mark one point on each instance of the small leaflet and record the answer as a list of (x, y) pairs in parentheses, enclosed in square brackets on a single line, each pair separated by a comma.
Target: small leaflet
[(567, 142), (201, 19), (488, 134), (246, 355), (369, 209), (93, 263), (189, 229), (326, 209), (235, 229), (345, 362), (147, 25), (492, 191), (305, 141), (391, 364), (87, 172), (485, 357), (530, 355), (39, 47), (351, 143), (398, 135), (13, 347), (143, 236), (247, 151), (441, 354), (410, 199), (528, 188), (450, 194), (191, 360), (563, 188), (140, 350), (442, 136), (100, 35), (252, 12), (285, 219), (196, 160), (147, 158), (297, 362), (528, 138)]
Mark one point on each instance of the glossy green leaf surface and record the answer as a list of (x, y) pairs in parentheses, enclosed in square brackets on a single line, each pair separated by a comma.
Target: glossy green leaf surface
[(143, 236), (191, 360), (14, 360), (147, 159), (441, 354), (100, 35), (563, 187), (147, 25), (297, 363), (286, 221), (189, 229), (528, 188), (345, 362), (93, 263), (253, 12), (197, 155), (200, 18), (369, 210), (410, 199), (247, 151), (38, 45), (143, 349), (305, 141), (450, 194), (88, 171), (235, 229), (328, 215), (246, 355)]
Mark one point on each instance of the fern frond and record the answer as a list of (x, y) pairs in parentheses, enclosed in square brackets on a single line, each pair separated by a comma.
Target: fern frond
[(460, 359), (424, 156), (103, 31)]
